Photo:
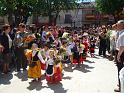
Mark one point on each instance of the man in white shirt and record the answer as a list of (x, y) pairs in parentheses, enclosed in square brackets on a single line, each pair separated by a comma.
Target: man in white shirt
[(120, 48)]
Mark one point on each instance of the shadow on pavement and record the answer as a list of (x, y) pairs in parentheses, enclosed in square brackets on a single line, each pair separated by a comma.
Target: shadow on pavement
[(69, 68), (83, 68), (57, 88), (96, 56), (5, 78), (23, 75), (35, 85), (67, 78)]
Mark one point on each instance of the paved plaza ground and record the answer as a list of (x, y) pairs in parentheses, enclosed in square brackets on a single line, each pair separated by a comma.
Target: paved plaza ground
[(96, 75)]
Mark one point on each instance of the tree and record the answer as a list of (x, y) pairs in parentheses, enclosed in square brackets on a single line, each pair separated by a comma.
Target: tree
[(20, 9), (51, 8), (113, 7)]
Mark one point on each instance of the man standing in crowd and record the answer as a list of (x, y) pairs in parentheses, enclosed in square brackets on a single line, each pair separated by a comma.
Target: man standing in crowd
[(120, 48), (103, 42), (20, 47)]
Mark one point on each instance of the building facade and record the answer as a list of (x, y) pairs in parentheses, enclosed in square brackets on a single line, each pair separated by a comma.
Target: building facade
[(85, 14)]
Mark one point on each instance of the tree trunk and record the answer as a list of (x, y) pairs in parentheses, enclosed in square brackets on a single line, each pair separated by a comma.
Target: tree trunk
[(18, 19), (55, 19), (10, 19), (116, 18), (50, 19), (25, 19)]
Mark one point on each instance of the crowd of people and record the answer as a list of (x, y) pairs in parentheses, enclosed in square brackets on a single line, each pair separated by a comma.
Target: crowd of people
[(49, 48)]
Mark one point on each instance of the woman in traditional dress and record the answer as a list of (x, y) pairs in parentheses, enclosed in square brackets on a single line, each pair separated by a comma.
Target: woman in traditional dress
[(34, 57)]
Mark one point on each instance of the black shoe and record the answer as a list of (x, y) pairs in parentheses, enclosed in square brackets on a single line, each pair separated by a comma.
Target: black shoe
[(117, 90)]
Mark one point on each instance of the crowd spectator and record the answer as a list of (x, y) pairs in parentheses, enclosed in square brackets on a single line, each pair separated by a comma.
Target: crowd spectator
[(120, 48), (6, 42)]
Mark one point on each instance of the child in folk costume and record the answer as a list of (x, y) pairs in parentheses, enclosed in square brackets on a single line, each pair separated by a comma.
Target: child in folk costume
[(65, 50), (77, 52), (57, 70), (86, 41), (92, 47), (82, 53), (53, 68), (34, 57)]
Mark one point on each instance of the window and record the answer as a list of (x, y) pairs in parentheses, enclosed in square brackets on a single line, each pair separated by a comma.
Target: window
[(68, 18)]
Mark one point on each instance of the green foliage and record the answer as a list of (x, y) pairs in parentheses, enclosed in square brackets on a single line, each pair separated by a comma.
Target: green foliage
[(29, 7), (39, 6), (113, 7)]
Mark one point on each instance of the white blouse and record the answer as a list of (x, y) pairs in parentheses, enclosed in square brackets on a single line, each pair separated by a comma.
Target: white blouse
[(10, 41)]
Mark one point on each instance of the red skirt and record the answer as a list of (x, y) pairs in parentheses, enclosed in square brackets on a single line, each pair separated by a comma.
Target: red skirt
[(57, 76), (81, 60), (43, 66), (92, 50)]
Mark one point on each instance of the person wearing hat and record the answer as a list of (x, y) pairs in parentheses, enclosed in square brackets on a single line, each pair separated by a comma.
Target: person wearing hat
[(120, 48)]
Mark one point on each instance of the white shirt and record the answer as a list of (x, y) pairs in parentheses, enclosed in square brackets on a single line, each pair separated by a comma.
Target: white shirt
[(44, 35), (120, 40), (68, 50), (10, 41), (121, 76), (50, 61)]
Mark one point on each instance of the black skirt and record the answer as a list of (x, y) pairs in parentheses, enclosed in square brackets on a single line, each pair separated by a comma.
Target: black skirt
[(49, 70)]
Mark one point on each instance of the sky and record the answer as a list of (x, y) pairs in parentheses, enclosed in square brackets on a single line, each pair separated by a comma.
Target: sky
[(86, 0)]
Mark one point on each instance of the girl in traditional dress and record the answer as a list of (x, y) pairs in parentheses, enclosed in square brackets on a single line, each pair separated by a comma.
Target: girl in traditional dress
[(77, 52), (57, 70), (34, 57), (50, 67), (53, 68), (86, 43), (92, 47), (67, 56)]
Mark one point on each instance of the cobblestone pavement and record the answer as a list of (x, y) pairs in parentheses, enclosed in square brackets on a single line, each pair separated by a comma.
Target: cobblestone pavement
[(96, 75)]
